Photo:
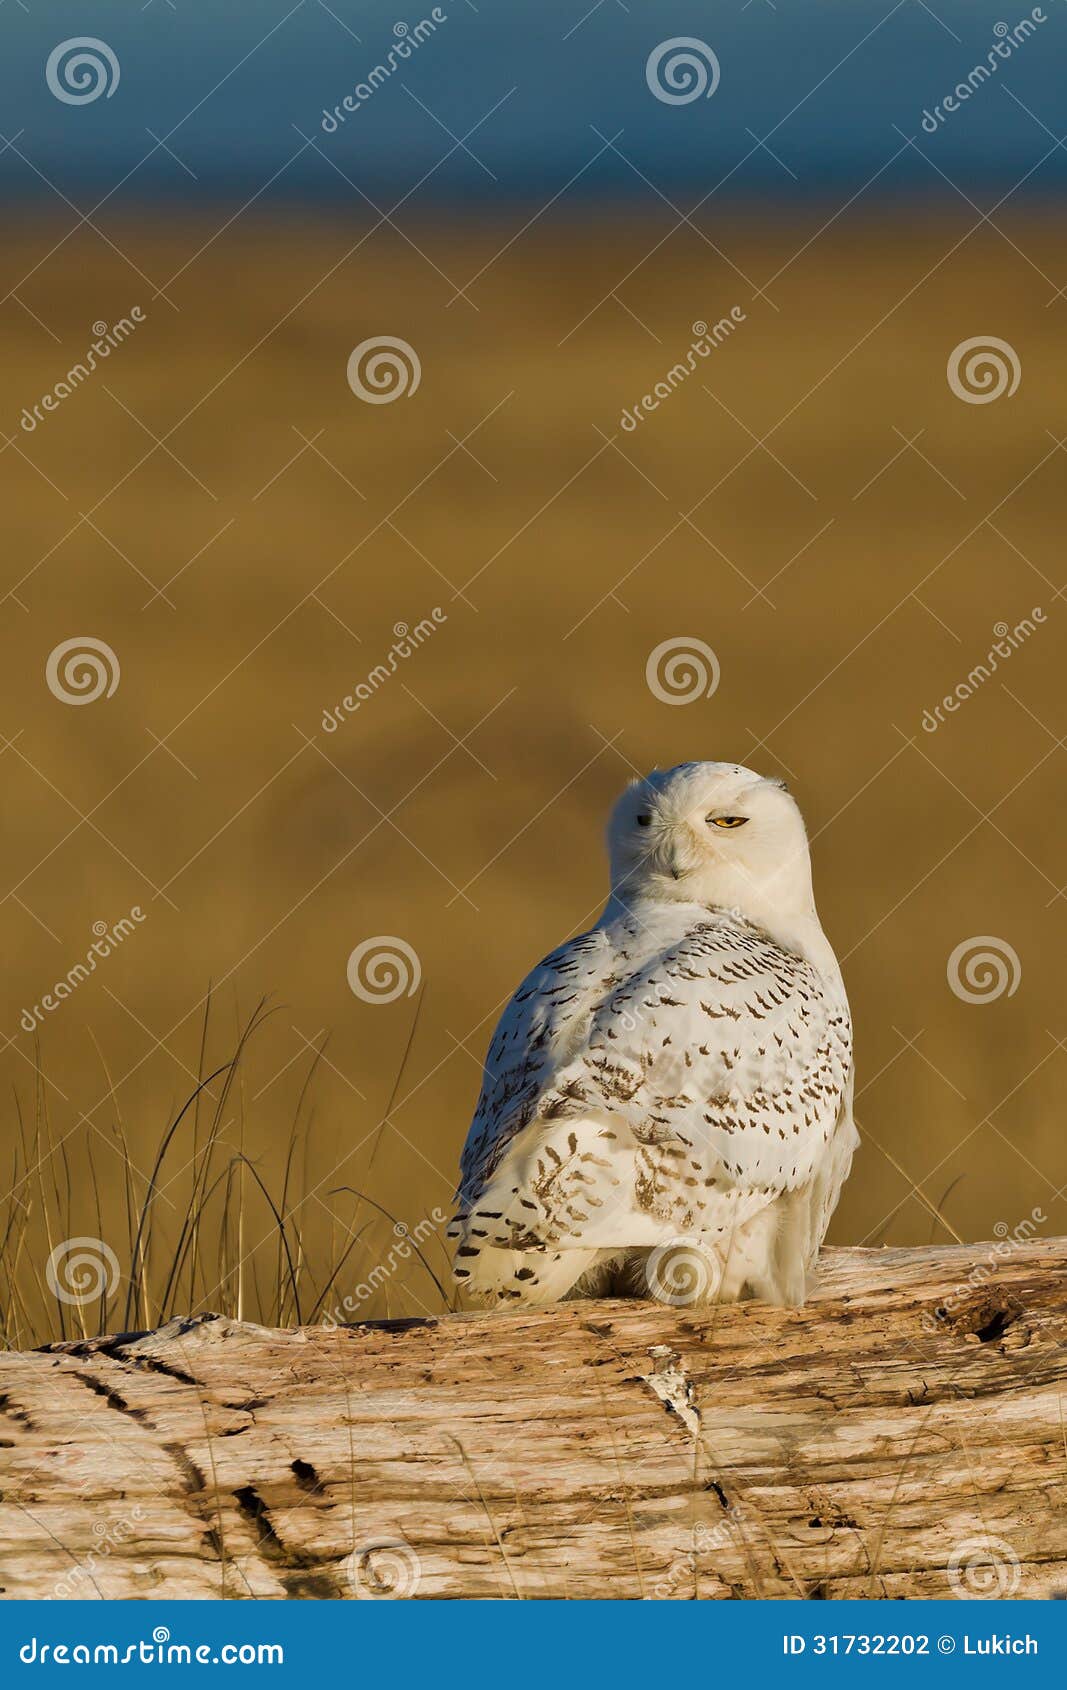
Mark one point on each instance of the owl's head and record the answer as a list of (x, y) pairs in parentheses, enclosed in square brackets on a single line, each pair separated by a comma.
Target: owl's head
[(714, 834)]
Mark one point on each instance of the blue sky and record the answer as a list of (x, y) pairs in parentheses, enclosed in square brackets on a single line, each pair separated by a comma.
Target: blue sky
[(237, 88)]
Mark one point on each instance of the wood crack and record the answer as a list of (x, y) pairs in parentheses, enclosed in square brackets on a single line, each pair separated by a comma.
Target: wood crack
[(301, 1575)]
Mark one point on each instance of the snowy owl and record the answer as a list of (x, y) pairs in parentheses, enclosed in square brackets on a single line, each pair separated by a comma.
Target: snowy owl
[(666, 1109)]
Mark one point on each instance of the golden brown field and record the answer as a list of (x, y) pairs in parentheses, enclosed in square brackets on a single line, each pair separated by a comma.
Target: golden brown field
[(814, 503)]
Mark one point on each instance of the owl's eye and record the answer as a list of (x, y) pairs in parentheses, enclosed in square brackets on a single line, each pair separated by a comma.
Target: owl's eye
[(644, 821), (726, 821)]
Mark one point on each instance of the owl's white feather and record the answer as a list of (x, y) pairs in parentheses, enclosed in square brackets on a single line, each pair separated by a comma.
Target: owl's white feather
[(667, 1102)]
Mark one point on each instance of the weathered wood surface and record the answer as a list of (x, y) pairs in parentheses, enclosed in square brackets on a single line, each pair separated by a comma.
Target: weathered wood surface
[(854, 1447)]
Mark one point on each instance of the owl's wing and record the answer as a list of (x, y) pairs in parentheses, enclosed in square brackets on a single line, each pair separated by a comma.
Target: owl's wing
[(545, 1024), (678, 1097), (731, 1051)]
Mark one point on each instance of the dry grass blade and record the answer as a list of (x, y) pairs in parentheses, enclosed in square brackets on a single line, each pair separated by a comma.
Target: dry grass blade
[(141, 1234), (279, 1222), (400, 1228)]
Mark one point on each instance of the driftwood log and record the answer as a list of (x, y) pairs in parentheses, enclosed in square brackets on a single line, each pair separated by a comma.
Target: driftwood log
[(903, 1435)]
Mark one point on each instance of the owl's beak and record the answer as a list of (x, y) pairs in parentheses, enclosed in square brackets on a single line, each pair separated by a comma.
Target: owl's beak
[(676, 863)]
